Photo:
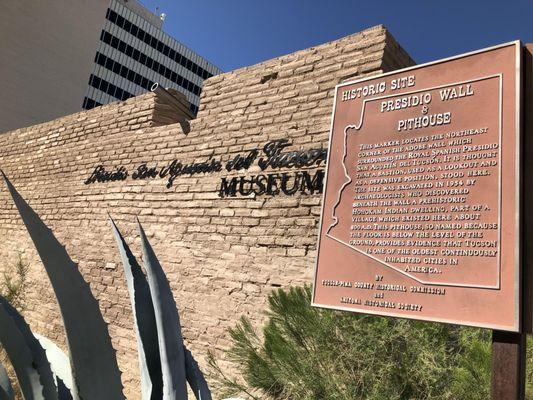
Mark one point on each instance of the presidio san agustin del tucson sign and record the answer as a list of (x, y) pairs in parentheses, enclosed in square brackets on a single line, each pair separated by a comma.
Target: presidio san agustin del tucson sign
[(420, 215)]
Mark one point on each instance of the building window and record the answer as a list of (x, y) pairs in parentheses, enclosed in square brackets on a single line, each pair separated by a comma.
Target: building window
[(127, 49), (108, 88), (89, 103), (151, 41), (123, 71)]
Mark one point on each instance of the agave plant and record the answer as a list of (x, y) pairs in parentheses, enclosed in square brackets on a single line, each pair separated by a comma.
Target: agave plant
[(6, 390), (90, 371)]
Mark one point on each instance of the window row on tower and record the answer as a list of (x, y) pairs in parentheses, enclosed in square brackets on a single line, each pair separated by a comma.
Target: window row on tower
[(149, 62), (155, 43)]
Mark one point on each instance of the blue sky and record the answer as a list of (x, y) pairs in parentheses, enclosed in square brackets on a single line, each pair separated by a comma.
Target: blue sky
[(236, 33)]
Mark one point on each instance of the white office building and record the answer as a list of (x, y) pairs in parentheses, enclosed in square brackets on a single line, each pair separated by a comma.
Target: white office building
[(134, 53), (59, 56)]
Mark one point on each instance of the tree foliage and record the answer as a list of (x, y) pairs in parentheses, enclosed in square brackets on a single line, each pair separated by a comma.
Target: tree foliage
[(15, 283), (306, 353)]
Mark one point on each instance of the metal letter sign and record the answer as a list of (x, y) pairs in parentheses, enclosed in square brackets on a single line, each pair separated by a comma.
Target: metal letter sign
[(420, 214)]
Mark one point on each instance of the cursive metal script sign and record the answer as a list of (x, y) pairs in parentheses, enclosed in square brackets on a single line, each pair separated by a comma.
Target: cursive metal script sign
[(273, 156)]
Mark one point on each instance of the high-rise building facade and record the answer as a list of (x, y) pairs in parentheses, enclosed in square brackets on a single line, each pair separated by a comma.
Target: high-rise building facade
[(51, 50), (134, 53)]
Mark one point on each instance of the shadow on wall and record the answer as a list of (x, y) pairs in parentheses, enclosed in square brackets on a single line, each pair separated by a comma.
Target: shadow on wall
[(91, 370)]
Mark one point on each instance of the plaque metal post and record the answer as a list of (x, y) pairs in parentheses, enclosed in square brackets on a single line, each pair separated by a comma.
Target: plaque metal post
[(509, 348), (508, 365)]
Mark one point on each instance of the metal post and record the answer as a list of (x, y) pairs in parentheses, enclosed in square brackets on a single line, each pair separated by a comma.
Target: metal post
[(508, 366), (509, 348)]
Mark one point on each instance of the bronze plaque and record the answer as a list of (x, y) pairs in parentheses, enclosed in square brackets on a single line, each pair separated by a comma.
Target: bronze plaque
[(420, 216)]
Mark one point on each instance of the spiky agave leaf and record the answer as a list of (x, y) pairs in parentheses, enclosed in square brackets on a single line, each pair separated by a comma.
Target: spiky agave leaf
[(21, 357), (145, 322), (60, 365), (4, 395), (195, 377), (140, 295), (92, 356), (168, 325), (6, 390), (40, 362)]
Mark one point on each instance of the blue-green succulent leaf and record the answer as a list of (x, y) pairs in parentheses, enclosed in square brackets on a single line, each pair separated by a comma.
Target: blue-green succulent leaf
[(145, 322), (39, 356), (168, 325), (21, 357), (4, 395), (61, 369), (195, 378), (6, 390), (92, 356)]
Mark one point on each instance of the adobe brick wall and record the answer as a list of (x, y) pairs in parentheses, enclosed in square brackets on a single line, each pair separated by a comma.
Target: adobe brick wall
[(222, 256)]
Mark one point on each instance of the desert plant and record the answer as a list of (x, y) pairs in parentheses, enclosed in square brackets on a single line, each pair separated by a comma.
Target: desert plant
[(472, 365), (308, 353), (15, 283), (91, 370)]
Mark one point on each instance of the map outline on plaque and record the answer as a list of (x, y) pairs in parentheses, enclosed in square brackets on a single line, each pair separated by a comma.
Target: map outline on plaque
[(418, 193)]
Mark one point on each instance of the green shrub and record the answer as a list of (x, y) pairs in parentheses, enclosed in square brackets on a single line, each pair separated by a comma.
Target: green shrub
[(306, 353), (15, 283)]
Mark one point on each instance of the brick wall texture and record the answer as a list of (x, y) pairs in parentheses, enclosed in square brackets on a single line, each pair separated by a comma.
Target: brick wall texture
[(222, 256)]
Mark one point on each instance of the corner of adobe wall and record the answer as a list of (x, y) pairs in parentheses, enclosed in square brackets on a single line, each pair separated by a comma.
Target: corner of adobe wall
[(394, 56)]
